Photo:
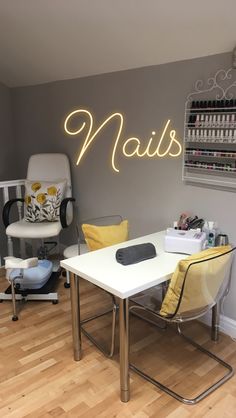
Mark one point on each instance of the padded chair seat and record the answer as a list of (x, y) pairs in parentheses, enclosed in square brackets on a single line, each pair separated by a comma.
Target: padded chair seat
[(24, 229), (72, 250)]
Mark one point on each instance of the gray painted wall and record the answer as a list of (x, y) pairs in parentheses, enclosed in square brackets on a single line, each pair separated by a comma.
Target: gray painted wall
[(8, 160), (8, 169), (150, 193)]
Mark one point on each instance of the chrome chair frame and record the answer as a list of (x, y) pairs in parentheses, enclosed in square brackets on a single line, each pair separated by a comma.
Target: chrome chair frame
[(179, 321), (114, 310), (115, 306)]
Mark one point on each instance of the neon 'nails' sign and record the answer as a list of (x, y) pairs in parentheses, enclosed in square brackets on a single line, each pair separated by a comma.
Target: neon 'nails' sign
[(167, 144)]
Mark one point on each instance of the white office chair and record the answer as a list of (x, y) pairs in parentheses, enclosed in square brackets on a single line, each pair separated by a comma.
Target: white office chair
[(46, 172), (53, 168)]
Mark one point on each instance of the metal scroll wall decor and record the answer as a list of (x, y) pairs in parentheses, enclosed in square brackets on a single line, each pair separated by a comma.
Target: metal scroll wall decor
[(216, 83)]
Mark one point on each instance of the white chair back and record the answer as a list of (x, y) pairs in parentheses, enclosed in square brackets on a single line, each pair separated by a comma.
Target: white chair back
[(50, 167)]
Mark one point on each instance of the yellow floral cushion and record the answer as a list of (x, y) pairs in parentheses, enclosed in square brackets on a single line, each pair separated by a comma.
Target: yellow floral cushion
[(43, 199), (97, 237), (201, 287)]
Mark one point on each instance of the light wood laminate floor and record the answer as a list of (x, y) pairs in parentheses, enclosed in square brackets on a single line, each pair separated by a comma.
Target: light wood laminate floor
[(39, 378)]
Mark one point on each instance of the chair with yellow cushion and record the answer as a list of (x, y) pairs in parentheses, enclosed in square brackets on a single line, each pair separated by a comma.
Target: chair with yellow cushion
[(94, 234), (199, 283)]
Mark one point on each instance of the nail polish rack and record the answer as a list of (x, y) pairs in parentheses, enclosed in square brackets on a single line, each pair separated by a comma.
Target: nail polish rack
[(209, 155)]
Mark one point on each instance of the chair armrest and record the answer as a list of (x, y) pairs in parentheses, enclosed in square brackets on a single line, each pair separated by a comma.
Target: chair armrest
[(63, 208), (7, 209)]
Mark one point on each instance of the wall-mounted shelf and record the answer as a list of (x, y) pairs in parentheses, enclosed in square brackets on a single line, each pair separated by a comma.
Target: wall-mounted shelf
[(196, 152), (209, 155)]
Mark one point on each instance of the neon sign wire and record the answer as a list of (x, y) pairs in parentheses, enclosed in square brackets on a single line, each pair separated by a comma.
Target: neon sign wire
[(168, 136)]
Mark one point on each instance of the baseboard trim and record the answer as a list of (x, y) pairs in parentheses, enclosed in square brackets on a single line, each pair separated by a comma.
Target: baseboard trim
[(227, 325)]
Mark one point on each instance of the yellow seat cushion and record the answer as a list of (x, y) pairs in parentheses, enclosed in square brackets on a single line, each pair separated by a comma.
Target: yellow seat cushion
[(97, 237), (201, 287)]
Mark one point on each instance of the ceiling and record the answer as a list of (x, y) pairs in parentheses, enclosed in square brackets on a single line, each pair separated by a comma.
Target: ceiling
[(48, 40)]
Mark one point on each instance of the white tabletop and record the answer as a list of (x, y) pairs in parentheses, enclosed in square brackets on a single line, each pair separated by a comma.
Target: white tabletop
[(101, 268)]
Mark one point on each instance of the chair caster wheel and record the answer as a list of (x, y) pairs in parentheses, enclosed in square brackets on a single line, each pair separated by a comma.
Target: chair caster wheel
[(67, 285), (55, 302), (15, 318)]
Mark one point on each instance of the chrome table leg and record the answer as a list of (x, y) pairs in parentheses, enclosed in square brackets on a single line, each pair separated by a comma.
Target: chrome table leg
[(124, 350), (215, 322), (75, 313)]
